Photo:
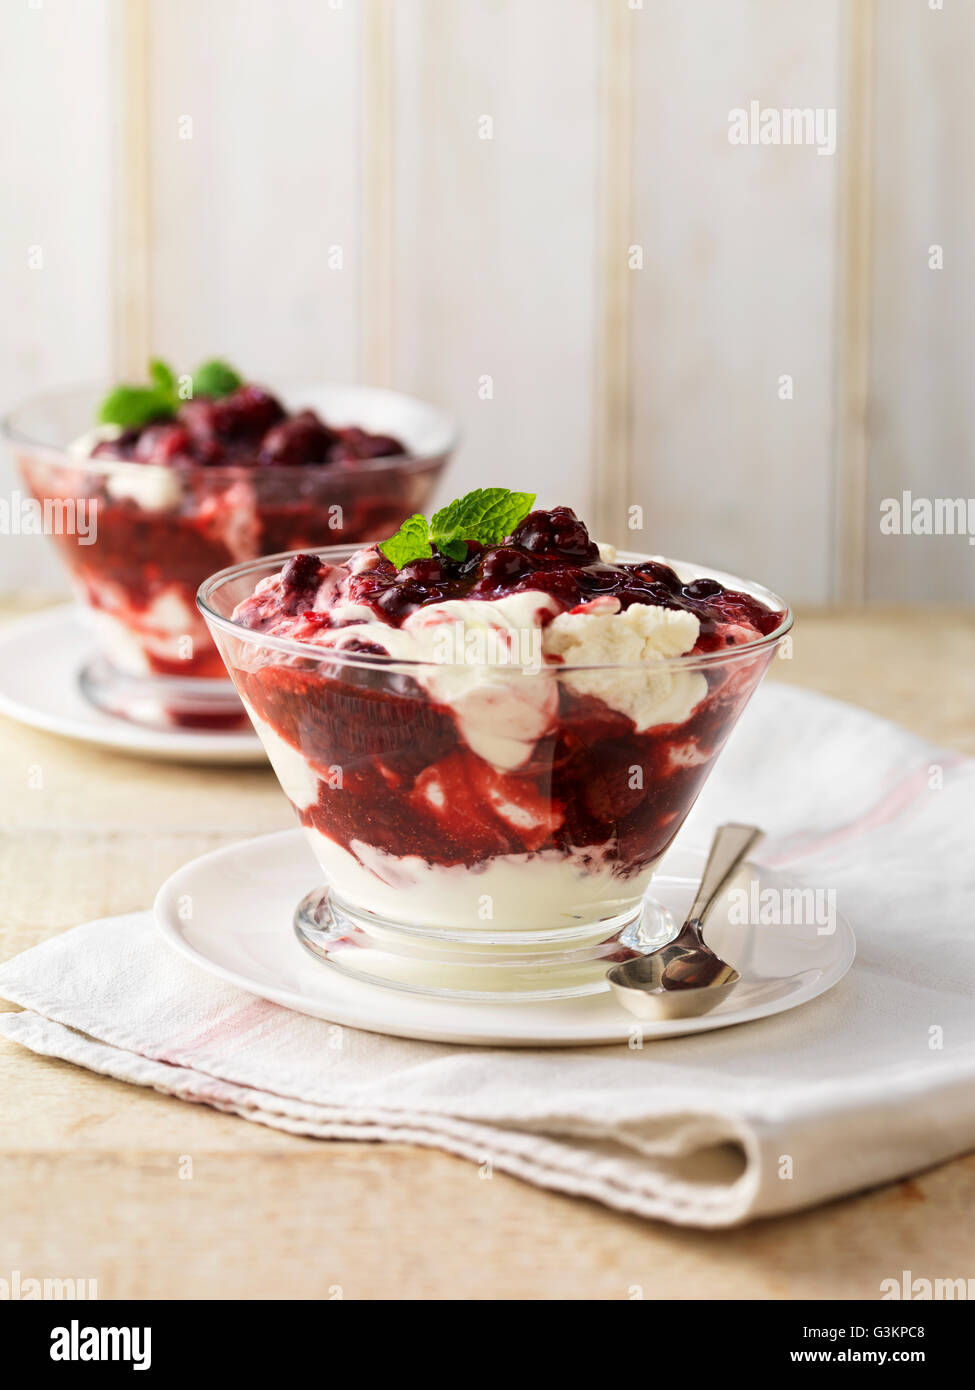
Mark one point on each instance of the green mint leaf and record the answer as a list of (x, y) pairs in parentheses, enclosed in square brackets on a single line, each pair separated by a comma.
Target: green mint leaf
[(454, 547), (162, 376), (131, 407), (487, 515), (215, 379), (411, 542)]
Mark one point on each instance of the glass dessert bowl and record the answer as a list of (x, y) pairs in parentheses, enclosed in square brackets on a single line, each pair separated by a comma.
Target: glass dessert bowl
[(490, 755), (142, 515)]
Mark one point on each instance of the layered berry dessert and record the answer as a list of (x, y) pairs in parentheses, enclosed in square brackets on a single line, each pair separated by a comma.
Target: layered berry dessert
[(180, 488), (496, 723)]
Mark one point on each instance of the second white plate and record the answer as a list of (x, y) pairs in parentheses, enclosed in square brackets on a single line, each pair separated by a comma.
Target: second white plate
[(40, 658)]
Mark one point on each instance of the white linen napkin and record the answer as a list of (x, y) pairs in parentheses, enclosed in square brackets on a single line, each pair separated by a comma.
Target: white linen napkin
[(872, 1081)]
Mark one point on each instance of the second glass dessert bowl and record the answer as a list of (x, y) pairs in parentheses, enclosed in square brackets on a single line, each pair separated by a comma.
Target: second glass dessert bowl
[(139, 534), (488, 823)]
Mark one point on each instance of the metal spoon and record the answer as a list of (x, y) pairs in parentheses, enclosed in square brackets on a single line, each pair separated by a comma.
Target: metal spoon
[(685, 978)]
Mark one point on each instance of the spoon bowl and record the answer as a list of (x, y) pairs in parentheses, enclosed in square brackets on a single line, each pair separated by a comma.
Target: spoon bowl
[(648, 990), (685, 978)]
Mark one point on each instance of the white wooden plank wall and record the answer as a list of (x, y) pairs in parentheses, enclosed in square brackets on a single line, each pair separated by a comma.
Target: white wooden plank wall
[(442, 195)]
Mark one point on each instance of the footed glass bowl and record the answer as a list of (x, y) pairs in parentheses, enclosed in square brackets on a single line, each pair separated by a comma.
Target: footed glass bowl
[(139, 538), (452, 865)]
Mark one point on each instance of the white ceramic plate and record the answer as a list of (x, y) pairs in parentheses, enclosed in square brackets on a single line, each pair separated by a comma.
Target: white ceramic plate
[(40, 657), (243, 898)]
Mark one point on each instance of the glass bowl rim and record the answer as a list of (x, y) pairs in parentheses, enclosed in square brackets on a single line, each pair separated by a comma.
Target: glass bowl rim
[(314, 651), (61, 454)]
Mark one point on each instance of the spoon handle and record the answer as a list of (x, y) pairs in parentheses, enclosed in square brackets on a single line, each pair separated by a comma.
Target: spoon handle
[(730, 846)]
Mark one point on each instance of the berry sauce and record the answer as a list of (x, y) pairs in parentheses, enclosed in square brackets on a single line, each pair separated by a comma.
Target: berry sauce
[(593, 788), (248, 428), (549, 552)]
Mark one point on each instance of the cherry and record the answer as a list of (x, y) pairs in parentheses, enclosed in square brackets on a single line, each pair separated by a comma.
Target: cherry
[(558, 532), (502, 567), (250, 411), (400, 600), (425, 572), (203, 418), (560, 583), (656, 572), (163, 443), (355, 443), (302, 438), (571, 536), (300, 579), (534, 533), (702, 588)]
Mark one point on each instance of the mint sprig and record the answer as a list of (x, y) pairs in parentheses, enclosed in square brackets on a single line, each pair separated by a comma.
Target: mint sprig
[(486, 515), (216, 379), (131, 407)]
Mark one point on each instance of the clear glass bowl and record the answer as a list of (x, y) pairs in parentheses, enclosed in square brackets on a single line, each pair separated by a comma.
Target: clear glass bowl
[(139, 539), (448, 870)]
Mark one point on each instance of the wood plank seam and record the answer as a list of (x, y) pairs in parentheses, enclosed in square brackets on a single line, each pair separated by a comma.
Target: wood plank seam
[(131, 209), (611, 485), (854, 299)]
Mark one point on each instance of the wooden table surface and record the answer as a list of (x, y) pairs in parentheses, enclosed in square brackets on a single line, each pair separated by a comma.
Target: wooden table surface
[(89, 1167)]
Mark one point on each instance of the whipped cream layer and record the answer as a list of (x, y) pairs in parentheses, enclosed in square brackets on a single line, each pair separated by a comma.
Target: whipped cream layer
[(632, 648), (549, 891)]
